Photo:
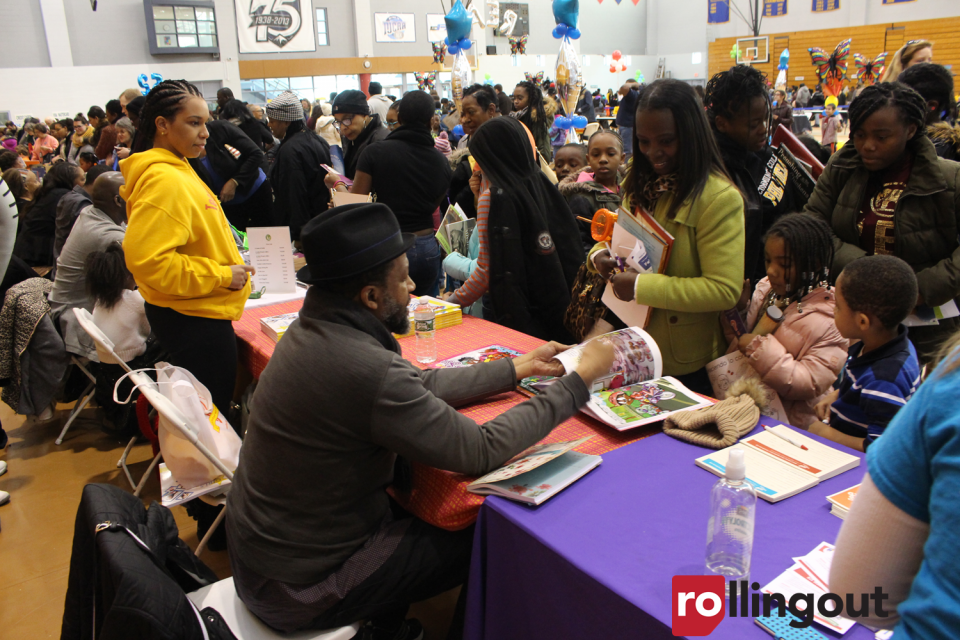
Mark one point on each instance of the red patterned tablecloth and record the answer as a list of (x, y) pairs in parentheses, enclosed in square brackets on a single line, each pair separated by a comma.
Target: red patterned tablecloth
[(440, 497)]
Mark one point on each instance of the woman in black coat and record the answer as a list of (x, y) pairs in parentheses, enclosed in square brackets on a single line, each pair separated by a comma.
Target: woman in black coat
[(38, 224), (237, 113), (357, 126), (240, 182)]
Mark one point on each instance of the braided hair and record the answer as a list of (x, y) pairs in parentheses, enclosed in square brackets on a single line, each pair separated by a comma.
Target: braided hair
[(910, 104), (164, 101), (932, 82), (809, 246), (605, 132), (729, 90), (534, 101)]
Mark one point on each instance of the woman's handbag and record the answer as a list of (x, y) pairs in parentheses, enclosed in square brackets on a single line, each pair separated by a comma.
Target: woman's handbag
[(585, 304)]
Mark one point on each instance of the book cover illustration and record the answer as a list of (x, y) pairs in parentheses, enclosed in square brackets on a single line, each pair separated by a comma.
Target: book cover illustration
[(529, 460), (643, 401), (486, 354), (636, 358)]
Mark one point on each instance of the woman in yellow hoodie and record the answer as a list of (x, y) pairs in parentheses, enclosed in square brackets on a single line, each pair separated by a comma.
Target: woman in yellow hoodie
[(178, 244)]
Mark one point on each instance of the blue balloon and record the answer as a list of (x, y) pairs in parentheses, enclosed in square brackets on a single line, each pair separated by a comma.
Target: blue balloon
[(465, 44), (458, 130), (579, 122), (157, 78), (574, 33), (563, 122), (566, 12), (142, 81), (453, 49), (559, 31), (458, 23)]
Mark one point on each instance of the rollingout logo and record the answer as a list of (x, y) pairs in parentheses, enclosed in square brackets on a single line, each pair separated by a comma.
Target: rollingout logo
[(698, 604)]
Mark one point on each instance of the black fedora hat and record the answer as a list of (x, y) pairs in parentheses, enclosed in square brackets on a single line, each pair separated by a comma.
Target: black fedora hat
[(346, 241)]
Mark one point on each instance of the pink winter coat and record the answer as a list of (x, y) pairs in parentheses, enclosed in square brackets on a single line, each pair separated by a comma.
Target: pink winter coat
[(803, 357)]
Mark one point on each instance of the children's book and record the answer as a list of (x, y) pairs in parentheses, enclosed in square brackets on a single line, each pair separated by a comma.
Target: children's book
[(458, 235), (537, 474), (173, 493), (729, 368), (636, 358), (778, 468), (276, 326), (470, 358), (842, 501), (447, 314), (645, 246), (644, 403), (454, 214), (535, 385)]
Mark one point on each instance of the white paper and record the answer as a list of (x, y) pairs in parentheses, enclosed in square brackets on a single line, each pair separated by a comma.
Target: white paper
[(632, 314), (271, 255)]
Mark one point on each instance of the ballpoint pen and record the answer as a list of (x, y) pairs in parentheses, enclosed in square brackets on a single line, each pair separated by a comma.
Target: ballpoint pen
[(782, 437)]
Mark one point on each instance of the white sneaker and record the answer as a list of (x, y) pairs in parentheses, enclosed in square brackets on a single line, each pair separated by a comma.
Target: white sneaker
[(4, 498), (3, 467)]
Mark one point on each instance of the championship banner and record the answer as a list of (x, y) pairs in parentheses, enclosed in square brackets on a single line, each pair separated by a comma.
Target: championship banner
[(718, 12), (774, 8), (395, 27), (274, 26), (820, 6)]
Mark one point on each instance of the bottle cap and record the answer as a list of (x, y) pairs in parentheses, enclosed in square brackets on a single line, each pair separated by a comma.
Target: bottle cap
[(736, 468)]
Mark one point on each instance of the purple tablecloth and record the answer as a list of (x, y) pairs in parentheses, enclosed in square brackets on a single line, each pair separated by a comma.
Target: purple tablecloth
[(597, 560)]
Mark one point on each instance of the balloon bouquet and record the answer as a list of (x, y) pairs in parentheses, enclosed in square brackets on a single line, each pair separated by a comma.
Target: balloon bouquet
[(781, 82), (458, 23), (569, 74)]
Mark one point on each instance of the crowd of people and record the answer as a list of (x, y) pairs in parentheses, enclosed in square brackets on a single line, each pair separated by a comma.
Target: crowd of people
[(132, 221)]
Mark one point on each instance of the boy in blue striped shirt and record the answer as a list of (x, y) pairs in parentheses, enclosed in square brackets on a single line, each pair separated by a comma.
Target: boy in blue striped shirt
[(873, 296)]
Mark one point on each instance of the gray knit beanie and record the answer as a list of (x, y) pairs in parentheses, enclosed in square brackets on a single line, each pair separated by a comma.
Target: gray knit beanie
[(717, 426), (285, 108)]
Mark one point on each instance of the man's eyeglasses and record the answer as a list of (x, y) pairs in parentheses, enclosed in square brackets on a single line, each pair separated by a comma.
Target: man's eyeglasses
[(346, 122)]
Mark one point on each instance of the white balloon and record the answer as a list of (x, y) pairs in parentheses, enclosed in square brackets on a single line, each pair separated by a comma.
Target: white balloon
[(509, 22), (478, 17), (493, 11)]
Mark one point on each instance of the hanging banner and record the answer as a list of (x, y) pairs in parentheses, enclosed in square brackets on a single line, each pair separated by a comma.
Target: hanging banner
[(895, 1), (774, 8), (820, 6), (436, 27), (718, 12), (395, 27), (274, 26)]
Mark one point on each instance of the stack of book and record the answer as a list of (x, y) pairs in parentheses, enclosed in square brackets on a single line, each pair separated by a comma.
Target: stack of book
[(448, 314), (276, 326), (842, 501)]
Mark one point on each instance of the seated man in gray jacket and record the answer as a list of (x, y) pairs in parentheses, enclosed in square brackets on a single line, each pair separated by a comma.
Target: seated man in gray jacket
[(315, 541)]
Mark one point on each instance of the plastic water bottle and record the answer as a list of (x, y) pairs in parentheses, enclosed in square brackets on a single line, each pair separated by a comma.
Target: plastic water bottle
[(424, 323), (733, 505)]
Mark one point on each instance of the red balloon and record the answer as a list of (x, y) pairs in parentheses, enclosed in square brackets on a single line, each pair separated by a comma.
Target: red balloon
[(613, 68), (617, 55), (623, 67)]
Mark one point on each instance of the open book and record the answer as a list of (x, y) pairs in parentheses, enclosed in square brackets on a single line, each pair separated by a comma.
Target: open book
[(778, 469), (454, 231), (537, 474), (636, 358), (644, 245)]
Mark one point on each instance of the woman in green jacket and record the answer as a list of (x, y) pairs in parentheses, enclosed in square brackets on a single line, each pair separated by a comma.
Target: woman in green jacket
[(889, 193), (677, 175)]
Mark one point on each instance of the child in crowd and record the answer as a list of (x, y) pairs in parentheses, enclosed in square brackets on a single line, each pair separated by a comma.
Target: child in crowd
[(830, 124), (529, 108), (677, 174), (886, 192), (118, 306), (874, 295), (569, 160), (87, 159), (794, 344), (597, 187)]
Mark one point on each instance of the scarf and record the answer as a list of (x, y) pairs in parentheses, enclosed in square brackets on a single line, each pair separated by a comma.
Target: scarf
[(517, 115), (656, 188)]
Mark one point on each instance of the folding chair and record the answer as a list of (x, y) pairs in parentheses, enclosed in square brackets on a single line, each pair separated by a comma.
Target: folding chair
[(166, 408), (148, 424), (590, 129), (85, 397), (223, 597)]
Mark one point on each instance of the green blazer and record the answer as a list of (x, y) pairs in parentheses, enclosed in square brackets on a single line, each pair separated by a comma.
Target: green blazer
[(703, 277)]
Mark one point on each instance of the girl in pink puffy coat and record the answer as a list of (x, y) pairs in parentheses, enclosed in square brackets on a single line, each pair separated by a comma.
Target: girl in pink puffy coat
[(794, 344)]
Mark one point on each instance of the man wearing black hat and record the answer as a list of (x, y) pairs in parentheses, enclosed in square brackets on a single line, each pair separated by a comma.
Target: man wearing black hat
[(315, 541)]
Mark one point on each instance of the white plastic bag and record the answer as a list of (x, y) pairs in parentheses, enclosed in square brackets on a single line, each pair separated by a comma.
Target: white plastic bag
[(190, 467)]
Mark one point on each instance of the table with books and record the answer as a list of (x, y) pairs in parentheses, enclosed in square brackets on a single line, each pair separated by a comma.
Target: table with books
[(598, 560)]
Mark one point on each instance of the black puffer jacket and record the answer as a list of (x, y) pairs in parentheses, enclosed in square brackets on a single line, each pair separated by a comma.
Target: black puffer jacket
[(297, 178)]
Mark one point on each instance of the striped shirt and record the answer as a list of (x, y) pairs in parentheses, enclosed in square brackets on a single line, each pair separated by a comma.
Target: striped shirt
[(479, 281), (874, 387)]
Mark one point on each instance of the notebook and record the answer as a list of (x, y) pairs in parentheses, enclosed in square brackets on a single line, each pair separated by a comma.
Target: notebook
[(778, 469), (842, 501)]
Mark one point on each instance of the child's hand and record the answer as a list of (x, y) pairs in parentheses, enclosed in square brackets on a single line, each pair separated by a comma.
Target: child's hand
[(745, 295), (823, 407), (475, 183), (819, 429)]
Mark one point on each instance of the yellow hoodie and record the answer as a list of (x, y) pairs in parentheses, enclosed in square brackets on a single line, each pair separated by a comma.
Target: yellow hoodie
[(178, 244)]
